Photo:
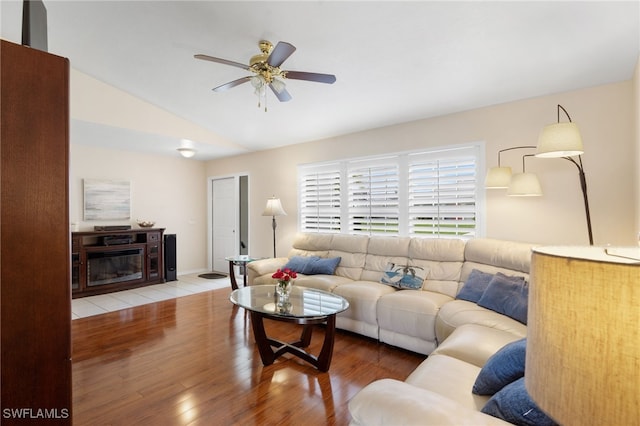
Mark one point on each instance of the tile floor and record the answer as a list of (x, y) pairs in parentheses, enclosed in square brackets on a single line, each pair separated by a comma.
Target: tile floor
[(185, 285)]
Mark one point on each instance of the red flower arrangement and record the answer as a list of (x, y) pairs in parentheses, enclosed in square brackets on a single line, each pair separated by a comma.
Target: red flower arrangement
[(283, 276)]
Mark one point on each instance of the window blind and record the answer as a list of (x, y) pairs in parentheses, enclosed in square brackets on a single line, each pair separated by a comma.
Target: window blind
[(373, 199), (432, 193), (320, 204), (442, 196)]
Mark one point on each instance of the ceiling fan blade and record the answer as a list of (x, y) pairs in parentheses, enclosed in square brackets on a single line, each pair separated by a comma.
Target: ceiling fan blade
[(221, 61), (231, 84), (280, 53), (283, 95), (310, 76)]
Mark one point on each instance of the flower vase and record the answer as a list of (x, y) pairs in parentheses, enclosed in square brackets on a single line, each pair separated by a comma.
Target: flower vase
[(283, 289)]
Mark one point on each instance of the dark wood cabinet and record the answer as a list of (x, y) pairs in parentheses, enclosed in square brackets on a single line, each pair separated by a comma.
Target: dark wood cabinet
[(35, 311), (106, 261)]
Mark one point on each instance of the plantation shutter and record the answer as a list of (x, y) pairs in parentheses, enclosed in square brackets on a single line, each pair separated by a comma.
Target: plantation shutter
[(429, 193), (442, 194), (373, 189), (320, 199)]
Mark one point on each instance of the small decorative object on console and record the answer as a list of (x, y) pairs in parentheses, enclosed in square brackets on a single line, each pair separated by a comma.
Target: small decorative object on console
[(145, 223)]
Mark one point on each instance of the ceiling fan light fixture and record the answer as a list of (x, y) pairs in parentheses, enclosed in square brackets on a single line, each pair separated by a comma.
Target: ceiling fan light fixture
[(187, 152), (257, 81)]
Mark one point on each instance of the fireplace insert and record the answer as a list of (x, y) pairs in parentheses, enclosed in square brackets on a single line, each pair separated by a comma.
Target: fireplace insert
[(109, 267)]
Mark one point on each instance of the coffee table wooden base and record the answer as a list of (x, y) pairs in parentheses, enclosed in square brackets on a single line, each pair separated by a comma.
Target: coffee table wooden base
[(266, 344)]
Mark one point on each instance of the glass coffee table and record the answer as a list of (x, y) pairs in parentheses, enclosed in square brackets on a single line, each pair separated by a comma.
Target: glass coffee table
[(306, 306)]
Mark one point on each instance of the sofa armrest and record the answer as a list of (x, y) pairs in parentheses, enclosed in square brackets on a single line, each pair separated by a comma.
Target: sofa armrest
[(388, 401), (257, 268)]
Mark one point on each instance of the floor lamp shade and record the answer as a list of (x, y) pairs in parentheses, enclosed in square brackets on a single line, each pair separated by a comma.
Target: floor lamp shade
[(274, 208), (583, 335), (524, 185), (498, 178), (560, 140)]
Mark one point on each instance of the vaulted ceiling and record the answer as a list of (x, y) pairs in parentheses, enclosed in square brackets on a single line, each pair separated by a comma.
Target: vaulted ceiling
[(394, 61)]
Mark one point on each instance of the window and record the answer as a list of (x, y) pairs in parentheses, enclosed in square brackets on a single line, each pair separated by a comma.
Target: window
[(320, 200), (431, 193), (442, 196), (373, 197)]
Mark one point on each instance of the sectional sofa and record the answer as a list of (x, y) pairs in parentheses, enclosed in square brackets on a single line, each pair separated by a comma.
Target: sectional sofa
[(424, 295)]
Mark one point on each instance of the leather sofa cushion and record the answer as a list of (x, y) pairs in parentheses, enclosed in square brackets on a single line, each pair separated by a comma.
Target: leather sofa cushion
[(450, 377), (321, 282), (313, 242), (411, 312), (475, 344), (392, 402), (363, 298), (502, 254), (459, 312)]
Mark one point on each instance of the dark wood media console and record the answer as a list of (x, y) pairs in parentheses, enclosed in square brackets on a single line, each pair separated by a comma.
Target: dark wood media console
[(107, 261)]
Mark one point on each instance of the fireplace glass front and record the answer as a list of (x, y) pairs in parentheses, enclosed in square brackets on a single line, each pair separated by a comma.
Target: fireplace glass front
[(109, 267)]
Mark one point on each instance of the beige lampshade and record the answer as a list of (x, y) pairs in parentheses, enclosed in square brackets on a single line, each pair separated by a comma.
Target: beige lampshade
[(583, 335), (559, 140), (274, 208), (498, 178), (524, 185)]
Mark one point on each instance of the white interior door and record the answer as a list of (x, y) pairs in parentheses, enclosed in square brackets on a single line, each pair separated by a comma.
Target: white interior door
[(224, 210)]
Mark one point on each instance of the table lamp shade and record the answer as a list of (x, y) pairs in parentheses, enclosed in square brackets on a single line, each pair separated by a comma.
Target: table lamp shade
[(583, 335)]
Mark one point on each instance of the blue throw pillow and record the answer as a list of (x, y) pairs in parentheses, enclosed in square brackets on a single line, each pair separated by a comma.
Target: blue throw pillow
[(322, 266), (503, 368), (475, 285), (514, 405), (299, 263), (508, 296)]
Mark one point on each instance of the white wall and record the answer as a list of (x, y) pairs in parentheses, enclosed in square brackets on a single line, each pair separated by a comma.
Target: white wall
[(604, 114), (168, 190)]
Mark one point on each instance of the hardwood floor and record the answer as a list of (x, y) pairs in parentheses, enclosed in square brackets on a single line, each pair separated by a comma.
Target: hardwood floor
[(193, 361)]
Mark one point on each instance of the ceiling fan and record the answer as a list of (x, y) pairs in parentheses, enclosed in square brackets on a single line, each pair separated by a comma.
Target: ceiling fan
[(265, 67)]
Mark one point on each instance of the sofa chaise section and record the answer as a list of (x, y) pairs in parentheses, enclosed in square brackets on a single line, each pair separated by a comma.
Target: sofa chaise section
[(438, 391)]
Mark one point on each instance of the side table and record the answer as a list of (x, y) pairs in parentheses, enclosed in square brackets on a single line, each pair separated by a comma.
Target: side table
[(240, 261)]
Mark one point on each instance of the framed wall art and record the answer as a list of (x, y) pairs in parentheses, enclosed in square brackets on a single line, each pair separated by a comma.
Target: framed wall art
[(107, 199)]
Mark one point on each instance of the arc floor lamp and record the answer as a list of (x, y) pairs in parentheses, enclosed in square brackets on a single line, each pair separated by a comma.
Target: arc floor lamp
[(563, 140), (557, 140)]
